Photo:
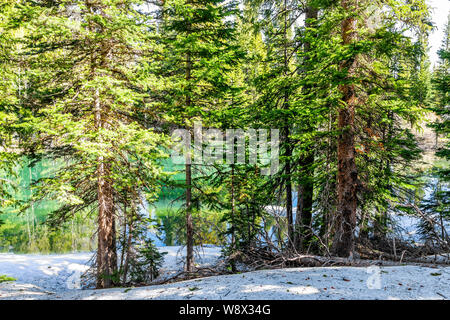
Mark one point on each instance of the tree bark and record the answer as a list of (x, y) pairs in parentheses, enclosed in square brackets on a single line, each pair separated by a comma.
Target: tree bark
[(106, 251), (347, 176)]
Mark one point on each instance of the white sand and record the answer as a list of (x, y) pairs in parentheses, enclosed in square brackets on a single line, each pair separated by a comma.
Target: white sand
[(37, 281)]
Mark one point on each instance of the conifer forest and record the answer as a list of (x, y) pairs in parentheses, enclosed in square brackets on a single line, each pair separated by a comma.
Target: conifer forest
[(161, 141)]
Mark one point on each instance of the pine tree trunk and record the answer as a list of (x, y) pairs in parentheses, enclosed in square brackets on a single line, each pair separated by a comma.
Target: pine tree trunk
[(106, 251), (233, 223), (189, 224), (106, 229), (286, 129), (233, 226), (129, 241), (123, 241), (305, 189), (347, 176), (380, 224), (289, 215)]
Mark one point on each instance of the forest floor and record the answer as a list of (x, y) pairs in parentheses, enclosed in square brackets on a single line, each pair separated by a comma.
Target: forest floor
[(56, 277)]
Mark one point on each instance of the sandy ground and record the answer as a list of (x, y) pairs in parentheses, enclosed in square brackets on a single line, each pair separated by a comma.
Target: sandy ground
[(49, 277), (53, 273)]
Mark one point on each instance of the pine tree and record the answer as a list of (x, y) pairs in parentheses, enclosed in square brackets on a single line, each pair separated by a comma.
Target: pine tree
[(90, 62), (196, 36), (441, 82), (305, 191), (278, 86), (12, 88), (347, 175), (437, 205)]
